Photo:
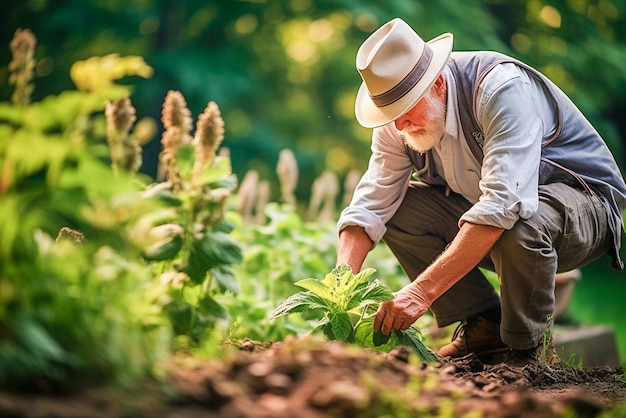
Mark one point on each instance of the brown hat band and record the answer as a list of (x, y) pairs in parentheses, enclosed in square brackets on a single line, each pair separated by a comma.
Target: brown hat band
[(407, 83)]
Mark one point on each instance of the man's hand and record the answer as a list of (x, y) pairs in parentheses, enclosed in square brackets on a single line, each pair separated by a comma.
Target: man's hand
[(409, 304)]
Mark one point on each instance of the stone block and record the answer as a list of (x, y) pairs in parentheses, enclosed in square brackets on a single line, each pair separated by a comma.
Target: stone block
[(595, 344)]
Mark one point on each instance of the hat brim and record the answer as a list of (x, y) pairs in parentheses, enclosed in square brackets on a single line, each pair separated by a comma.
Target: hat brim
[(370, 116)]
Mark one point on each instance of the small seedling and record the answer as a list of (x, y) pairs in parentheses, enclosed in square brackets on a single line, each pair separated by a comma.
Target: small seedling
[(572, 362)]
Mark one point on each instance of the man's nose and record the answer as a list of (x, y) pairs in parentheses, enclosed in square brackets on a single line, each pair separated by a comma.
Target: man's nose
[(401, 122)]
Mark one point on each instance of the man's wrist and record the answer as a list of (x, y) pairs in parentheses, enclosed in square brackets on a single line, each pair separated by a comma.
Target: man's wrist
[(422, 292)]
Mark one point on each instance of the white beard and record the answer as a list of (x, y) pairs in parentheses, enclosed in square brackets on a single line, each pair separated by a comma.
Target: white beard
[(423, 138)]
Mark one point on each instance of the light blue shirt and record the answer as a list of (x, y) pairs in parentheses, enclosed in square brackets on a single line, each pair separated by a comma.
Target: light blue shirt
[(515, 115)]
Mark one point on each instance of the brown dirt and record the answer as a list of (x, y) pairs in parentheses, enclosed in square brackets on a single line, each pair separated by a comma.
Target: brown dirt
[(307, 378)]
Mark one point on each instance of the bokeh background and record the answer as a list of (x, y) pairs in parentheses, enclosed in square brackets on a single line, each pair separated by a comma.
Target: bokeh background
[(282, 73)]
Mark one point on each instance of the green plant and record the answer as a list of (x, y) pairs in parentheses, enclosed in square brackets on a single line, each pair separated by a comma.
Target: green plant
[(187, 240), (547, 340), (77, 304), (348, 302)]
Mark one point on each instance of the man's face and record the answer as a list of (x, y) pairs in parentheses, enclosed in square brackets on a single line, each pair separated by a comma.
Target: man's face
[(422, 127)]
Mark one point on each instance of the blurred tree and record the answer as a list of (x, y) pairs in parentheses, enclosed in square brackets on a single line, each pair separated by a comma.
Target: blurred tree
[(283, 71), (580, 44)]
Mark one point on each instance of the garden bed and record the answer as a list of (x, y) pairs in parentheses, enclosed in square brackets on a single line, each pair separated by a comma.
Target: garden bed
[(307, 378)]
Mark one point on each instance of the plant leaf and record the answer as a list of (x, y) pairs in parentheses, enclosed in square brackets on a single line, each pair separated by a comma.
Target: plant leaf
[(317, 287), (379, 338), (378, 291), (371, 293), (365, 336), (299, 302), (212, 308), (96, 73), (327, 330), (364, 274), (374, 296), (341, 326), (212, 250), (332, 280), (10, 113), (185, 158), (226, 279), (346, 284), (218, 174), (411, 338), (348, 287), (340, 270), (38, 341)]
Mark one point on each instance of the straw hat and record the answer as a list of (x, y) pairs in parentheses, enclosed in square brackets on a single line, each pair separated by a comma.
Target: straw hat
[(397, 68)]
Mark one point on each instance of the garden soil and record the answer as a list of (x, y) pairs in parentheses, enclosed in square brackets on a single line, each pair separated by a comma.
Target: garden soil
[(308, 378)]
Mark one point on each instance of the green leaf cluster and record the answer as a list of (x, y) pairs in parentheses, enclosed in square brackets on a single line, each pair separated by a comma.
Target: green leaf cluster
[(348, 303)]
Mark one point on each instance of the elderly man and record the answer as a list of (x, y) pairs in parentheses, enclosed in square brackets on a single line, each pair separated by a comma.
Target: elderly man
[(478, 160)]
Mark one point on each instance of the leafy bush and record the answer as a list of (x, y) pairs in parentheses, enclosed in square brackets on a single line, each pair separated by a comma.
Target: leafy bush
[(99, 265)]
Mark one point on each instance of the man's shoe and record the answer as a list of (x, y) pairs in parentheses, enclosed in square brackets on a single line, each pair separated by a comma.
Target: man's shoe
[(478, 336), (541, 355)]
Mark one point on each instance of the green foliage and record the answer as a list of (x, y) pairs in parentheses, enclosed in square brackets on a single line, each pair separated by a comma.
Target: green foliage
[(348, 303), (69, 310), (97, 270), (275, 255), (279, 251)]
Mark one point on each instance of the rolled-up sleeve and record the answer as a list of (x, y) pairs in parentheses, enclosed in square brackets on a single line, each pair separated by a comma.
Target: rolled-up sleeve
[(513, 129), (382, 188)]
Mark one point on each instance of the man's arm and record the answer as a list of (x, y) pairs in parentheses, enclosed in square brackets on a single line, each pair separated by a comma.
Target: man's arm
[(469, 247), (353, 246)]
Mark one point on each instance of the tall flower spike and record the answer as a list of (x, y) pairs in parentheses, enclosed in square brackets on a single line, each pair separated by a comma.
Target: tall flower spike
[(207, 139), (175, 112), (69, 233), (323, 195), (263, 198), (22, 66), (287, 170), (177, 121), (120, 115), (125, 150), (247, 194)]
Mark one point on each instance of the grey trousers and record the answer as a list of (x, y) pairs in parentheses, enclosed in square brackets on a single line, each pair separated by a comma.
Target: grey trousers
[(568, 231)]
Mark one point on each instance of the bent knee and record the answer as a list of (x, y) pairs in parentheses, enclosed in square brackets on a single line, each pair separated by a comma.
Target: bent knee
[(523, 236)]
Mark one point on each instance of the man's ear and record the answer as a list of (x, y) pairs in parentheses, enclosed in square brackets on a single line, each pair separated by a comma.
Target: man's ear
[(440, 84)]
